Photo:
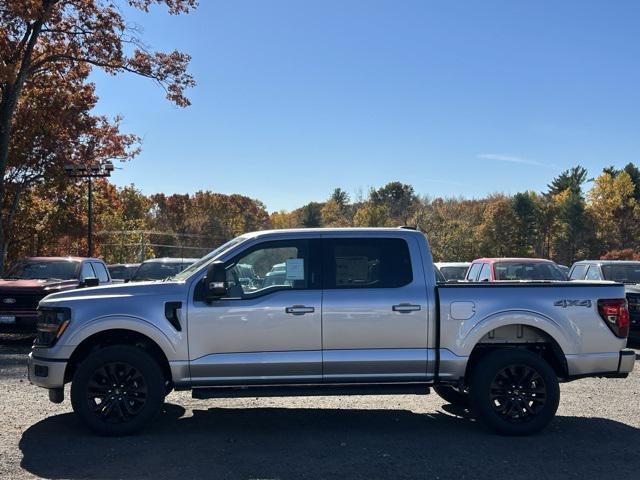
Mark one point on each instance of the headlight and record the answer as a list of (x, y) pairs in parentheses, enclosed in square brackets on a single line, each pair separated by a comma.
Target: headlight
[(52, 322)]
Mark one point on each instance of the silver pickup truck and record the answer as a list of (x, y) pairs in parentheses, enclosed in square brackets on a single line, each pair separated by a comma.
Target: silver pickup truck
[(327, 312)]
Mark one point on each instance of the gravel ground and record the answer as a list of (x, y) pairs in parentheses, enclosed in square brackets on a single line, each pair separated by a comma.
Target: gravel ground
[(595, 435)]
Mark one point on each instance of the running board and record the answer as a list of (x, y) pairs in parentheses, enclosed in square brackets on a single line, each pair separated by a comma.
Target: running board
[(331, 389)]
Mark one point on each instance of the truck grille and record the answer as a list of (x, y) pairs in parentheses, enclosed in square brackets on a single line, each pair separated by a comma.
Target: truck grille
[(12, 302), (633, 299)]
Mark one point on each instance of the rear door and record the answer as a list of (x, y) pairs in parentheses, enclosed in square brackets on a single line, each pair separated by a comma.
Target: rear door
[(374, 309)]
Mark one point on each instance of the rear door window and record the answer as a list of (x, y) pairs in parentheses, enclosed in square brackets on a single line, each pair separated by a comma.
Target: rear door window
[(366, 263)]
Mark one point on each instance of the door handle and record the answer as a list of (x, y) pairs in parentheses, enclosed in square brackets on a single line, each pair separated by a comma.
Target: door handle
[(406, 308), (299, 310)]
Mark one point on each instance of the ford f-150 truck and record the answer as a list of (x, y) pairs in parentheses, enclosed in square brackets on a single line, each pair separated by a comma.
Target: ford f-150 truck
[(350, 311), (32, 279)]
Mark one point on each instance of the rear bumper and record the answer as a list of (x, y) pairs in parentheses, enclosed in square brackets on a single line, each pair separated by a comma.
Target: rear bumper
[(627, 360), (46, 372), (613, 365)]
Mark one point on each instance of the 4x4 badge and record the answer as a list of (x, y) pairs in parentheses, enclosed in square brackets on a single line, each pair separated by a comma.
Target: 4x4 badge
[(572, 303)]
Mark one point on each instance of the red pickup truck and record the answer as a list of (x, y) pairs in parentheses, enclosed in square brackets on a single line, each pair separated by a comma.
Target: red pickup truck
[(32, 279)]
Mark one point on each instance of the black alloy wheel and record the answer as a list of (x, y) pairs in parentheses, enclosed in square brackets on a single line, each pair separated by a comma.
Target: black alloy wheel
[(514, 391), (117, 392), (518, 393)]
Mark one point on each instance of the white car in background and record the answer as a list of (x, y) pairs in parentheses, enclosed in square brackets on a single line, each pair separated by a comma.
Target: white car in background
[(453, 270)]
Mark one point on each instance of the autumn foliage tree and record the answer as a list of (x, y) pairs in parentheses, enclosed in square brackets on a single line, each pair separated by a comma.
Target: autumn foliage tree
[(53, 44), (54, 126)]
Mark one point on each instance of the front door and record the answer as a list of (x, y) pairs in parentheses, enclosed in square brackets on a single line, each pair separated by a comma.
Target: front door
[(268, 328), (374, 310)]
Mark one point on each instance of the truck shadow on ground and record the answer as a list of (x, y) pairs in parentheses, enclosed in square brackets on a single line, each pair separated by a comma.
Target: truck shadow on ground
[(329, 443)]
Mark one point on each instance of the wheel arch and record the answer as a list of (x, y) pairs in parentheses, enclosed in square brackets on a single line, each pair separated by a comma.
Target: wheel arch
[(117, 336), (525, 330)]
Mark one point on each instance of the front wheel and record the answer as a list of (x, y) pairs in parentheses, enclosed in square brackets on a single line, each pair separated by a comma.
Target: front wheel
[(117, 390), (514, 392)]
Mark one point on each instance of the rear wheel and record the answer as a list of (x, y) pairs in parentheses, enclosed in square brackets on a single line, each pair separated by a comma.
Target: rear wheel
[(117, 390), (514, 392), (453, 395)]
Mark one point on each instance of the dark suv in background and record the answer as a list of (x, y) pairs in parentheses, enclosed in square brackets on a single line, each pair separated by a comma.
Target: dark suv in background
[(622, 271), (32, 279)]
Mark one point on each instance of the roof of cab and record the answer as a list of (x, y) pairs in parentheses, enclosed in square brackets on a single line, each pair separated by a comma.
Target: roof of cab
[(513, 259), (68, 259), (320, 231), (604, 262), (172, 260), (452, 264)]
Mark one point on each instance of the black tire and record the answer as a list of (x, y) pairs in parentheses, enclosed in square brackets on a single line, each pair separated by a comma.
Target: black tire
[(514, 392), (453, 395), (117, 390)]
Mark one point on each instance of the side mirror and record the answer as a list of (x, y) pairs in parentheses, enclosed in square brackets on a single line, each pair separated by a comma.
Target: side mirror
[(215, 282), (90, 282)]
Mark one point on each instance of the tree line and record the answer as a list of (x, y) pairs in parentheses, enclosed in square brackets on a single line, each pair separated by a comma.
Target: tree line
[(48, 49), (576, 217)]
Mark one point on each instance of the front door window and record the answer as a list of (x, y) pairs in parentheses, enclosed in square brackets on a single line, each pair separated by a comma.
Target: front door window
[(268, 268)]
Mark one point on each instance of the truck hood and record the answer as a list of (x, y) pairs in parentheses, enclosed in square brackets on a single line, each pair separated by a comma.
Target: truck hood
[(120, 291), (36, 285)]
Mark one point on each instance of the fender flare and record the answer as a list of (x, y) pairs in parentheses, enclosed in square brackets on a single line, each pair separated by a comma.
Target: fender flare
[(125, 322)]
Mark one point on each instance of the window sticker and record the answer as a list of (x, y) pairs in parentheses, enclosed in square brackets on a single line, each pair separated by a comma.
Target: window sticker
[(295, 269)]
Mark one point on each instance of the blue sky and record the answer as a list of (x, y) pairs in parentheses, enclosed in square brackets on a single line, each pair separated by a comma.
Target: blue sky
[(295, 98)]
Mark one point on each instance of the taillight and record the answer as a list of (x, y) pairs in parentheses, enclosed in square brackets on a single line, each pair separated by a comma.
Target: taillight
[(615, 314)]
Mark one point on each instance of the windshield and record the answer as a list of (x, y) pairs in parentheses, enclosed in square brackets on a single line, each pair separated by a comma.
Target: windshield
[(527, 271), (157, 270), (625, 273), (45, 270), (187, 272), (454, 273)]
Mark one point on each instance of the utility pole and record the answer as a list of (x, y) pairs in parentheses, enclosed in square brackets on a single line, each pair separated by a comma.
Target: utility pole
[(93, 171)]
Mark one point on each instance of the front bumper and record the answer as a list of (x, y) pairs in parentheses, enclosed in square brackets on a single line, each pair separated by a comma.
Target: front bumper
[(46, 372), (25, 322)]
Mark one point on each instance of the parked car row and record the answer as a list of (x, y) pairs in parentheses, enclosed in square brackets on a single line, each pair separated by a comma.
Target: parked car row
[(152, 269), (32, 279)]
